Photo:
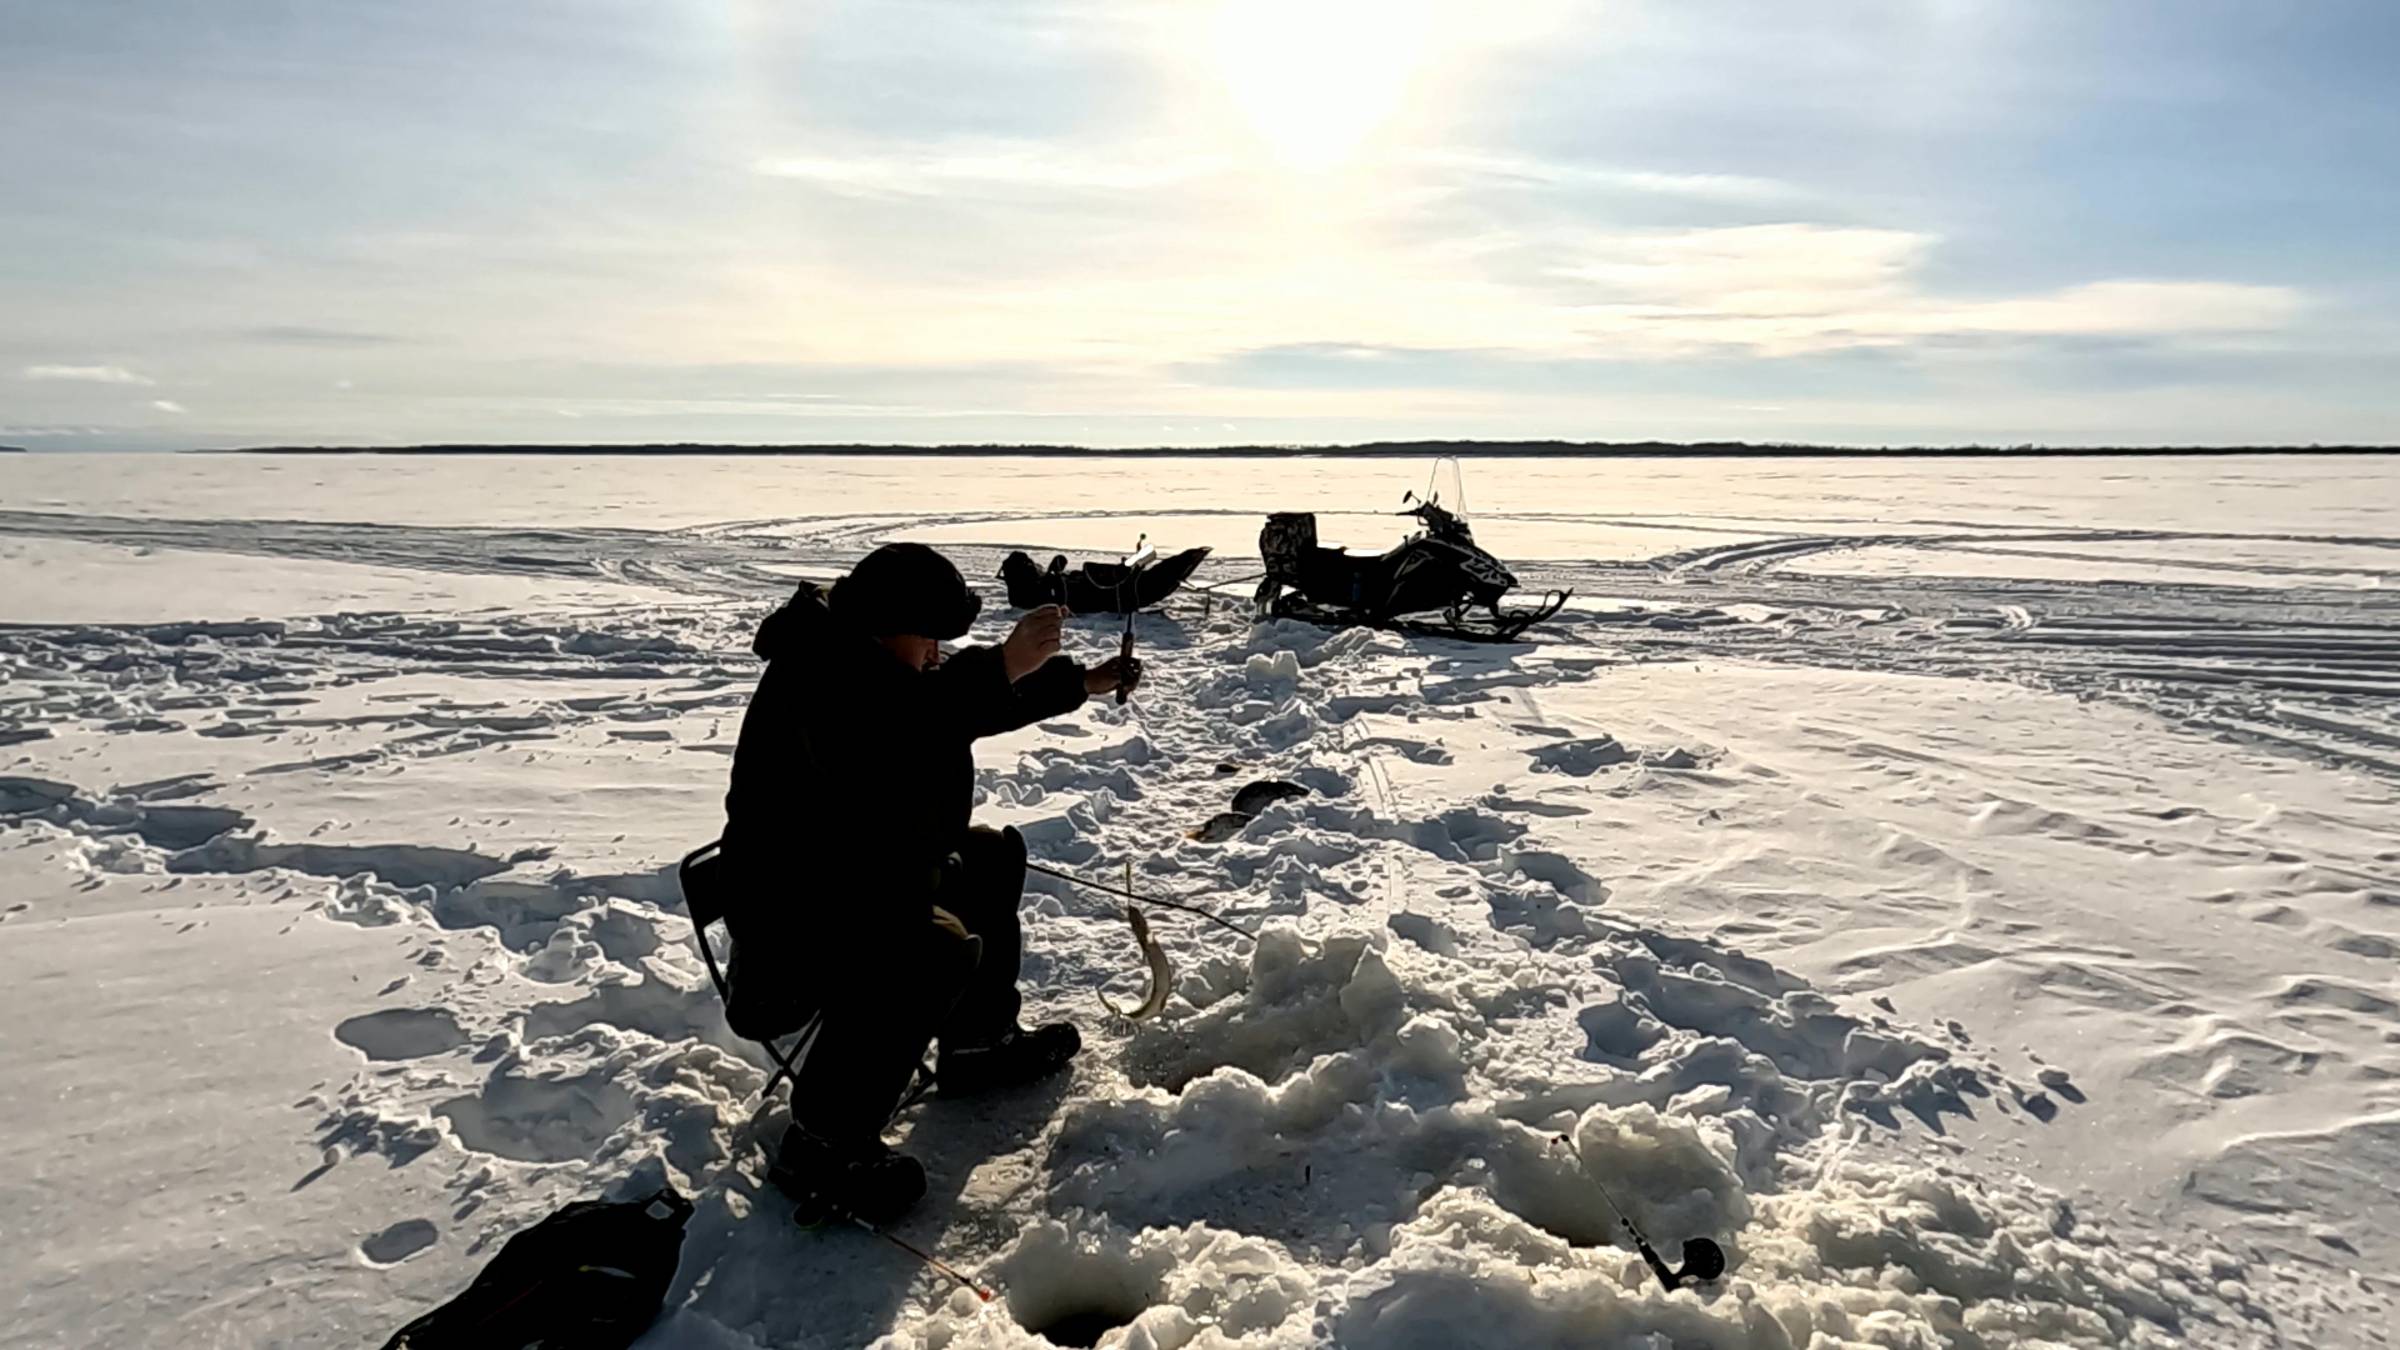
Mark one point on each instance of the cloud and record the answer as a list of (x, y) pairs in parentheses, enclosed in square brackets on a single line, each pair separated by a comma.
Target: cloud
[(1480, 171), (1342, 308), (1928, 368), (168, 405), (949, 167), (801, 405), (1340, 367), (1351, 365), (1010, 164), (86, 374), (35, 432), (2111, 307), (1799, 287), (302, 335), (1767, 269)]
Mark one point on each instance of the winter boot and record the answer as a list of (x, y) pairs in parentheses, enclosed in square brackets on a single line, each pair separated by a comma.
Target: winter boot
[(1018, 1056), (865, 1180)]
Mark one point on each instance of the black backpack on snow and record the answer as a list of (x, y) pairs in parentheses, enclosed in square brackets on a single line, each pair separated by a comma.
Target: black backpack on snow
[(590, 1277)]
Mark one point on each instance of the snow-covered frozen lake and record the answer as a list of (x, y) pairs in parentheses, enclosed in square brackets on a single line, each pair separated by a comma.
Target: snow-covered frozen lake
[(1969, 891)]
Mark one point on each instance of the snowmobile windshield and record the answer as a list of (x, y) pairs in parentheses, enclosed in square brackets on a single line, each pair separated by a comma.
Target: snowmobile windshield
[(1446, 486)]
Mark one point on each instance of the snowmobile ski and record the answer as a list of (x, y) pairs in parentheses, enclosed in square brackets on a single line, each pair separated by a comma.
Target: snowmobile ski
[(1495, 626)]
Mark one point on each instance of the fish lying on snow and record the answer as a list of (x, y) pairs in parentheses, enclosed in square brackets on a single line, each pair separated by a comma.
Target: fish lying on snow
[(1220, 827), (1264, 793), (1247, 803)]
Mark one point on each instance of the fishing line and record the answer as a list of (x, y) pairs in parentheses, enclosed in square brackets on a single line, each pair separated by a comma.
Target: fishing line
[(1128, 894), (931, 1261)]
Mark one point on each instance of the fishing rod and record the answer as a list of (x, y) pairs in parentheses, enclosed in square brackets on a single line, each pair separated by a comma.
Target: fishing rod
[(1131, 581), (931, 1261), (1129, 894), (1703, 1259)]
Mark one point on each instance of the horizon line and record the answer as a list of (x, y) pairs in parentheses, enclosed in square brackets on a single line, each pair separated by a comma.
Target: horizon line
[(1495, 449)]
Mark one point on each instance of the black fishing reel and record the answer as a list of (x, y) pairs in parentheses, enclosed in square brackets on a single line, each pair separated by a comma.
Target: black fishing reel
[(1703, 1259), (1703, 1262)]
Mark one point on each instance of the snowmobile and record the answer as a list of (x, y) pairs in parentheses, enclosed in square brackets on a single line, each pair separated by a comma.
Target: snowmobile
[(1097, 587), (1438, 569)]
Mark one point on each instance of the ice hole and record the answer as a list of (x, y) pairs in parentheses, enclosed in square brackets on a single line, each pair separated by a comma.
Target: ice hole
[(1072, 1290), (1082, 1327)]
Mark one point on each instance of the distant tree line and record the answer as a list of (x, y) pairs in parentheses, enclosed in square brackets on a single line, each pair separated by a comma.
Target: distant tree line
[(1363, 450)]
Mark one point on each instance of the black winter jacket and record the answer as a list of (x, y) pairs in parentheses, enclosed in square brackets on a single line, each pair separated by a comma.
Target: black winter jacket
[(854, 776)]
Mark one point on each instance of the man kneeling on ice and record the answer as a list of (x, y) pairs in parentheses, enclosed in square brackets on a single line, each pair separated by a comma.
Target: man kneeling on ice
[(862, 894)]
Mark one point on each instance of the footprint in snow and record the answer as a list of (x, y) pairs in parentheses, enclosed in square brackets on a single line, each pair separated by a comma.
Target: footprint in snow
[(402, 1033), (399, 1242), (2333, 1239), (1579, 758)]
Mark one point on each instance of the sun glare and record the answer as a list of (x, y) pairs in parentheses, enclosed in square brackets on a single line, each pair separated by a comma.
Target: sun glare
[(1315, 78)]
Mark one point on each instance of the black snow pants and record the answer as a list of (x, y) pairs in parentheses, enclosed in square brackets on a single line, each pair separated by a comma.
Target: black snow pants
[(880, 1008)]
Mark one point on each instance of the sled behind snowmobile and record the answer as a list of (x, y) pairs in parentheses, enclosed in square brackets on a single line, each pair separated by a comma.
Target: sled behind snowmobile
[(1097, 587), (1440, 569)]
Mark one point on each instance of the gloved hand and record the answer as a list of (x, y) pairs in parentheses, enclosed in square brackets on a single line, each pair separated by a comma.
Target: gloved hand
[(949, 924), (956, 951), (1125, 671), (1032, 642)]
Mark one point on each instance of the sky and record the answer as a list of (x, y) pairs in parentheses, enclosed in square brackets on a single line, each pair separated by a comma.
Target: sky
[(247, 222)]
